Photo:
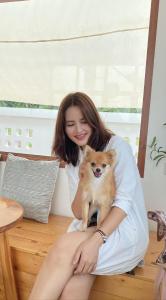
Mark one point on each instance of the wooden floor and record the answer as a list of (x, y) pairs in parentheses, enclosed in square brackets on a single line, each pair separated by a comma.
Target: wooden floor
[(31, 240)]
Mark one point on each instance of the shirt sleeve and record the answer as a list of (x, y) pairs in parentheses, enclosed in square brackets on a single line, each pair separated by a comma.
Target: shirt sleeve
[(126, 177)]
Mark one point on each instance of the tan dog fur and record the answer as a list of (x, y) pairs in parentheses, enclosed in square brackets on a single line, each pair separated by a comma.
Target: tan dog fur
[(98, 191)]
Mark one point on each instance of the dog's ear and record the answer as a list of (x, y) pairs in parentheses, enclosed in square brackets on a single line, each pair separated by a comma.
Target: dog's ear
[(87, 150), (112, 155)]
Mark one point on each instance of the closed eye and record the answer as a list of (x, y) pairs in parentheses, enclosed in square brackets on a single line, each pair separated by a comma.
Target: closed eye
[(69, 125)]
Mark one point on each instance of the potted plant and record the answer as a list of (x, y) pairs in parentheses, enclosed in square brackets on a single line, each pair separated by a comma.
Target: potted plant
[(157, 153)]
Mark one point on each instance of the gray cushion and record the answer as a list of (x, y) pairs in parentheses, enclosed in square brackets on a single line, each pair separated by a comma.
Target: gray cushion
[(31, 183)]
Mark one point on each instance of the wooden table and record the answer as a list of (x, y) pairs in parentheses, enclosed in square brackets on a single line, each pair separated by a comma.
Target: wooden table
[(10, 213)]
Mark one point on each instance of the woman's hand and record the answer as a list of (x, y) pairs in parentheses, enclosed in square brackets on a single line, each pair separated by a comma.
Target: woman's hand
[(86, 255)]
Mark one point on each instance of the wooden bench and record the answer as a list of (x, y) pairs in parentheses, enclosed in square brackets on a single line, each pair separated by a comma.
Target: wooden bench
[(31, 240)]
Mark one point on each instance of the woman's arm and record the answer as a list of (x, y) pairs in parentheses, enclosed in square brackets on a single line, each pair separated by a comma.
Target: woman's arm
[(77, 203), (111, 222), (113, 219)]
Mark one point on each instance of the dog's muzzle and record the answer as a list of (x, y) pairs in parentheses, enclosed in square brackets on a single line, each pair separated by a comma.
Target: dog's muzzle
[(97, 172)]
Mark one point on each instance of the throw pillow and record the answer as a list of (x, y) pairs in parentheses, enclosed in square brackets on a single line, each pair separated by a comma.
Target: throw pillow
[(31, 183)]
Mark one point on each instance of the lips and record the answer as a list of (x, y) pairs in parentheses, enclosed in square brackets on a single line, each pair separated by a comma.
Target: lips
[(80, 137)]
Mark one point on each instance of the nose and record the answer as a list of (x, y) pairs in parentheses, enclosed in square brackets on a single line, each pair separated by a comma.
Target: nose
[(98, 170), (78, 127)]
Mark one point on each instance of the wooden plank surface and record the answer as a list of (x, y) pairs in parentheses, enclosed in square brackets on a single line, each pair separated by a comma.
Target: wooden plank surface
[(120, 287), (11, 213), (4, 155), (125, 286), (39, 237), (95, 295), (30, 241), (2, 291)]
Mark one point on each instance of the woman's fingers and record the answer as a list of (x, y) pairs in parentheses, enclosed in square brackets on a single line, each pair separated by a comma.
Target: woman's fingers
[(76, 257), (85, 258), (91, 268), (94, 267), (80, 267), (85, 267)]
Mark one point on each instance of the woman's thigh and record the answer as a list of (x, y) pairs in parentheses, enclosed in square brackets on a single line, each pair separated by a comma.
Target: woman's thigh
[(78, 287), (67, 244)]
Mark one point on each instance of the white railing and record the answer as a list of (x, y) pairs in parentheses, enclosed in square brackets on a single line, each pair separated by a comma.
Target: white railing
[(31, 130)]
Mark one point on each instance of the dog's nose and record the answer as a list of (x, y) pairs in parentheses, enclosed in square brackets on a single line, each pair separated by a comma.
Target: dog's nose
[(98, 170)]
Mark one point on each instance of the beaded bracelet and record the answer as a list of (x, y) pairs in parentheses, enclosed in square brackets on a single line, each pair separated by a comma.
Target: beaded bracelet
[(103, 235)]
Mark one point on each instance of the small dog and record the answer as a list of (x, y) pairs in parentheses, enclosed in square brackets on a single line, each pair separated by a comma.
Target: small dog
[(98, 184)]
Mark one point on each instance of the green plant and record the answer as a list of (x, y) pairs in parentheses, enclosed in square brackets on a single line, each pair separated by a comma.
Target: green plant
[(157, 153), (8, 103)]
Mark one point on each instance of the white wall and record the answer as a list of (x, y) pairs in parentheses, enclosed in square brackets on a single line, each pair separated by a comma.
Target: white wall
[(154, 181)]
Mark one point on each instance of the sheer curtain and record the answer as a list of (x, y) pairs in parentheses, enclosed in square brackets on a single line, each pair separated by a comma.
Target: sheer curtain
[(50, 48)]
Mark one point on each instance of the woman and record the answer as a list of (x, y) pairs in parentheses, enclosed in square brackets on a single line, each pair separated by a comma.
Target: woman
[(69, 270)]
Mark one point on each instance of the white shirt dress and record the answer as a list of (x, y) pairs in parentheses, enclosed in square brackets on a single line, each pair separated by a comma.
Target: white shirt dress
[(126, 246)]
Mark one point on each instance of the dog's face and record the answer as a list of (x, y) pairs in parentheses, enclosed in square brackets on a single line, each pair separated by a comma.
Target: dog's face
[(99, 162)]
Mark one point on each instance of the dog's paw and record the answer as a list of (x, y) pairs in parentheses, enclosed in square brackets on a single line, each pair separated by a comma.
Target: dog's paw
[(83, 227)]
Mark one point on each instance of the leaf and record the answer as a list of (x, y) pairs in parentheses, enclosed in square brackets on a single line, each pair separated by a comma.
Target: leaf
[(158, 156), (152, 153), (158, 150), (163, 152), (159, 160), (153, 142)]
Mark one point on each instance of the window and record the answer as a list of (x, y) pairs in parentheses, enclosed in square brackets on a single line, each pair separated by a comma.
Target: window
[(101, 51)]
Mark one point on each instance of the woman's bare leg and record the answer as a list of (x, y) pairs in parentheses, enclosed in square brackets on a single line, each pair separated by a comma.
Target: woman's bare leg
[(78, 287), (57, 267)]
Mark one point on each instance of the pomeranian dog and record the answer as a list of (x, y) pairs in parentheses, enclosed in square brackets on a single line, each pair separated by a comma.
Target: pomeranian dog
[(98, 184)]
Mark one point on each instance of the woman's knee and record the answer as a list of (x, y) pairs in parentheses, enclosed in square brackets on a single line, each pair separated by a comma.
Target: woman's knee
[(59, 250), (63, 249)]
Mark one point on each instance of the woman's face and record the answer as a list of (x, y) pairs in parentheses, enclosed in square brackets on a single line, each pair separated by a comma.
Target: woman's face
[(76, 127)]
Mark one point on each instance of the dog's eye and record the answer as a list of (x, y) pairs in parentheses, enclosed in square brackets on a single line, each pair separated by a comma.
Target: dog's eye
[(93, 164), (104, 165)]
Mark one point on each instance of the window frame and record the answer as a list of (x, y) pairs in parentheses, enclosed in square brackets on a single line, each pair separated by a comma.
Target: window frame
[(147, 86)]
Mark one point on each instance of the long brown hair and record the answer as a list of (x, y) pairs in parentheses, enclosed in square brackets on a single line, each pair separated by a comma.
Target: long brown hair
[(66, 149)]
